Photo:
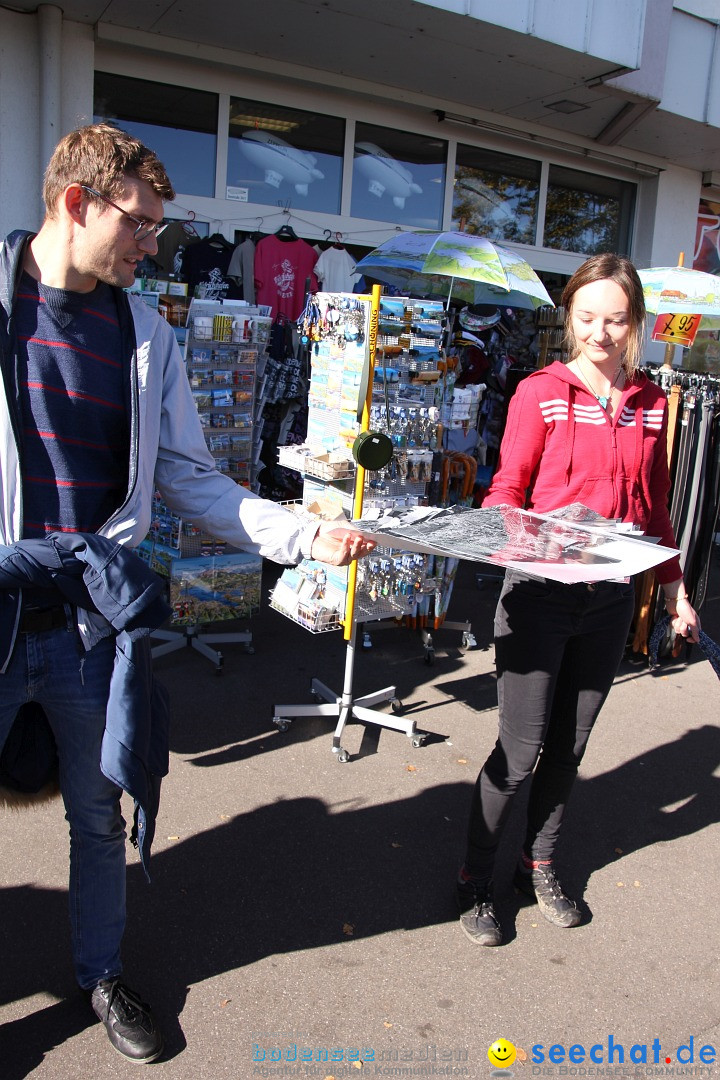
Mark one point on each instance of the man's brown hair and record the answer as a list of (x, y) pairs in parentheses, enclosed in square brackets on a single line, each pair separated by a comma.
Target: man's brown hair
[(102, 156)]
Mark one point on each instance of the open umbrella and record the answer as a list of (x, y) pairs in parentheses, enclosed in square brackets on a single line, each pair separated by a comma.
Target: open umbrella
[(455, 265), (678, 290)]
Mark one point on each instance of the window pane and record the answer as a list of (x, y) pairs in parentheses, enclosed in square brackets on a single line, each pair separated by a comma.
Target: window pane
[(588, 214), (280, 156), (496, 195), (398, 177), (180, 125)]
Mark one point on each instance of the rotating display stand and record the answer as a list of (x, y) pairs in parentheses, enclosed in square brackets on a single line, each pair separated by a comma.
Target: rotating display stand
[(344, 706)]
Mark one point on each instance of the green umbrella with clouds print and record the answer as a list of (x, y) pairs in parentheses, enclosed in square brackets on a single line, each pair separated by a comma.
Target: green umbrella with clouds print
[(455, 265)]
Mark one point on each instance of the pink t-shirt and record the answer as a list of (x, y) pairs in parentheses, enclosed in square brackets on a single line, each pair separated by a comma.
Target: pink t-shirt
[(281, 269)]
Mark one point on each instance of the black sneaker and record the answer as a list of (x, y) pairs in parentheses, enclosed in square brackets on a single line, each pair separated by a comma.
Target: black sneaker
[(542, 884), (477, 919), (128, 1021)]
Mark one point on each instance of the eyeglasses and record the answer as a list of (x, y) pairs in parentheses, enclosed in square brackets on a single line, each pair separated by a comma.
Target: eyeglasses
[(144, 228)]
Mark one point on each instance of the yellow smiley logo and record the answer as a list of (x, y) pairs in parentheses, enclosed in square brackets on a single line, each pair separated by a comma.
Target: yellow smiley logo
[(501, 1054)]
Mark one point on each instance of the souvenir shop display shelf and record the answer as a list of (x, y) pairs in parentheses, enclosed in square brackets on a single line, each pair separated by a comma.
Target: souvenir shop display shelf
[(411, 399), (551, 334)]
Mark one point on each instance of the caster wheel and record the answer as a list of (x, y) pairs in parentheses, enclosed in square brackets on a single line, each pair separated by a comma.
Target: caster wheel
[(218, 671), (282, 725), (429, 657), (418, 740), (468, 642), (250, 650), (396, 705), (343, 757)]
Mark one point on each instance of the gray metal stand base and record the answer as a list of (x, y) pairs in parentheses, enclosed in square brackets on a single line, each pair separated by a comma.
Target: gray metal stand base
[(345, 708), (191, 638)]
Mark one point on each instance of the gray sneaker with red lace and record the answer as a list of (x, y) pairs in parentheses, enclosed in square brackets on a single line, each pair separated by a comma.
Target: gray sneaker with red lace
[(538, 880)]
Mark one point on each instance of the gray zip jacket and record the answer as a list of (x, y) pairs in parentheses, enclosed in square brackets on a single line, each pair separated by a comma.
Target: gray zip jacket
[(167, 445)]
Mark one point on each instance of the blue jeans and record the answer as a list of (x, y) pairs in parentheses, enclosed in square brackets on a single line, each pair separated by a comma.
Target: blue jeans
[(557, 651), (72, 685)]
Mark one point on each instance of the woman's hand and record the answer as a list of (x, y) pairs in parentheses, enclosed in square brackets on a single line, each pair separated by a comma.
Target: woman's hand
[(338, 544), (684, 620)]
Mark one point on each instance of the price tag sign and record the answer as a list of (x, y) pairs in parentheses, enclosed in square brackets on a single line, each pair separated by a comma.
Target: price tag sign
[(676, 329)]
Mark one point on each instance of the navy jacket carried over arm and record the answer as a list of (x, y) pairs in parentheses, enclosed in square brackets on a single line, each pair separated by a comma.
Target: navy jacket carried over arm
[(99, 575)]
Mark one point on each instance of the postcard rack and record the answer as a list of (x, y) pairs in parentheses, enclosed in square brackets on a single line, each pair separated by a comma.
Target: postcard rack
[(225, 353)]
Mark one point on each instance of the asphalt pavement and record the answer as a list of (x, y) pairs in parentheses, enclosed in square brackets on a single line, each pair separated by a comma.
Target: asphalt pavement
[(301, 918)]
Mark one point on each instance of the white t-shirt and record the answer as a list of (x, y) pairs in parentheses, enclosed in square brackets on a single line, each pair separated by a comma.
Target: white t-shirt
[(335, 270)]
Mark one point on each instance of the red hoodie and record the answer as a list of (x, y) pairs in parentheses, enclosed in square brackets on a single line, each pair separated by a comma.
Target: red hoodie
[(615, 465)]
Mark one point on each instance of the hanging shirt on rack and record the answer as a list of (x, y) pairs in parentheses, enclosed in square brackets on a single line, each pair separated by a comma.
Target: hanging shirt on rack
[(335, 270), (242, 268), (204, 267), (171, 245), (281, 269)]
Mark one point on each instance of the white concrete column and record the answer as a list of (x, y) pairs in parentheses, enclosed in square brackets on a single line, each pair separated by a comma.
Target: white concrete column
[(50, 71)]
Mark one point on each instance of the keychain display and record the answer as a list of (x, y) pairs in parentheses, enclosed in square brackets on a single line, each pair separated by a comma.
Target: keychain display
[(337, 319), (397, 577)]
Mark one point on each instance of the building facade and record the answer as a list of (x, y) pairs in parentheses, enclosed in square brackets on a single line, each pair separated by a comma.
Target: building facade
[(559, 127)]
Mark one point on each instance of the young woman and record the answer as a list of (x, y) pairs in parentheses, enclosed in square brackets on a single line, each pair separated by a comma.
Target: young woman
[(592, 431)]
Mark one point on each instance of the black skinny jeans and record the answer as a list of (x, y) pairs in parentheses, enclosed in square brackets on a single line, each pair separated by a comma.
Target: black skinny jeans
[(557, 651)]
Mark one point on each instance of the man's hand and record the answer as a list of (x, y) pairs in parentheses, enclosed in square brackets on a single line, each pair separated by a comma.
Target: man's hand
[(338, 544)]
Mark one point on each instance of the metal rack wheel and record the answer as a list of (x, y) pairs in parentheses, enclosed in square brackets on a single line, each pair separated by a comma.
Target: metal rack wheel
[(468, 641), (418, 740), (282, 724), (396, 705), (343, 756), (429, 657)]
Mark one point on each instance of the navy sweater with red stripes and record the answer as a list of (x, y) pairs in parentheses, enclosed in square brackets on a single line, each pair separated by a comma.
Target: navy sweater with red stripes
[(72, 386)]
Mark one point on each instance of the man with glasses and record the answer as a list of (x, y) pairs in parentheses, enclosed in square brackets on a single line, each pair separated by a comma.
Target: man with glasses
[(95, 413)]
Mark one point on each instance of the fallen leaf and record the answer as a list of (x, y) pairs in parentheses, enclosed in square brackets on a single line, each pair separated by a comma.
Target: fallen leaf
[(357, 1064), (173, 837), (394, 844), (533, 924), (462, 761), (348, 929), (224, 817), (225, 1002), (618, 851), (328, 1078), (520, 1054), (620, 884), (637, 885), (386, 1024), (412, 768)]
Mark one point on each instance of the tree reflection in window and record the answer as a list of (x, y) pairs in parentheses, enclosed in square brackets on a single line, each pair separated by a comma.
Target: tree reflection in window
[(588, 214), (496, 195)]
